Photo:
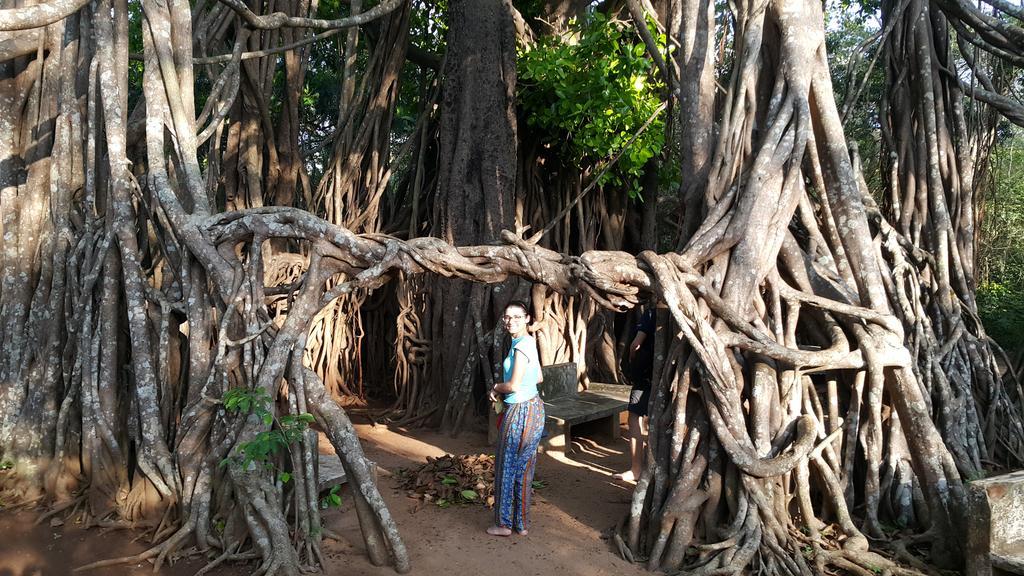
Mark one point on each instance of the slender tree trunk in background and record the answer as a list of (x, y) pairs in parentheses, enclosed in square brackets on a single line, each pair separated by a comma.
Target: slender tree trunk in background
[(476, 191), (693, 23), (350, 194)]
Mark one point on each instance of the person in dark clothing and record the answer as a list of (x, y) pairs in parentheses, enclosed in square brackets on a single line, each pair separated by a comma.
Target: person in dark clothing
[(639, 371)]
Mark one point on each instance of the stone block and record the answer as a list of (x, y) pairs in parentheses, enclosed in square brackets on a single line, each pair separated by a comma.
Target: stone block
[(995, 525)]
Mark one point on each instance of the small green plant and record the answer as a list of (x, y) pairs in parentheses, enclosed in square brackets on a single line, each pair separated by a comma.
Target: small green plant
[(332, 499), (244, 400), (6, 464), (261, 449), (538, 484)]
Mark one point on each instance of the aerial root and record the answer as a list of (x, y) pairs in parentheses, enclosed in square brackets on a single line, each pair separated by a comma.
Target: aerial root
[(227, 556), (142, 557), (624, 552), (864, 563), (900, 551), (58, 508), (160, 552), (173, 543)]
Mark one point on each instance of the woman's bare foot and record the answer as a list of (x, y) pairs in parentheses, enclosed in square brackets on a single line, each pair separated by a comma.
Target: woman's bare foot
[(499, 531), (626, 476), (522, 532)]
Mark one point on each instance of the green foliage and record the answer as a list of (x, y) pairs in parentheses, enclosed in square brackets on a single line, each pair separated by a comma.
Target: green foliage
[(428, 26), (332, 499), (266, 444), (1001, 307), (135, 46), (589, 93), (245, 401), (1001, 249), (849, 24)]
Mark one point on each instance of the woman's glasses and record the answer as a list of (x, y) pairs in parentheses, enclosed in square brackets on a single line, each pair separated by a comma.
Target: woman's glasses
[(507, 318)]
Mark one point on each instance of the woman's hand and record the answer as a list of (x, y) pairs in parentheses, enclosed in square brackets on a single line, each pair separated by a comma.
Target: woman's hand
[(635, 345)]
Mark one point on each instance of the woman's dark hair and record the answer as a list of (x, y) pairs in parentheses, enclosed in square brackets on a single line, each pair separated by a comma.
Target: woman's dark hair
[(519, 304)]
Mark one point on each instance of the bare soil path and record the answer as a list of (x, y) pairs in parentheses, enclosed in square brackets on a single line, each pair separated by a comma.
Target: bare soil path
[(572, 518)]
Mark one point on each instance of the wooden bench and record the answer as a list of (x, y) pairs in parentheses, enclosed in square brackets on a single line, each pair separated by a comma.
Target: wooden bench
[(995, 525), (565, 407)]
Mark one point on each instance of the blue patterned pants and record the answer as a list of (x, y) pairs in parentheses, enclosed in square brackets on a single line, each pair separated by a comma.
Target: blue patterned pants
[(520, 433)]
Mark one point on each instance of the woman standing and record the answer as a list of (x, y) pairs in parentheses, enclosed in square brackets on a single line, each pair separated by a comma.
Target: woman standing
[(521, 427)]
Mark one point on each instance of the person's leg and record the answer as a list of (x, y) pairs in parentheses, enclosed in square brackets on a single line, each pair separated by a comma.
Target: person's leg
[(638, 398), (636, 445), (505, 472), (533, 430)]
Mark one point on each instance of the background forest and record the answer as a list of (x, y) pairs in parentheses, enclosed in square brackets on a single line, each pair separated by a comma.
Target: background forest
[(225, 221)]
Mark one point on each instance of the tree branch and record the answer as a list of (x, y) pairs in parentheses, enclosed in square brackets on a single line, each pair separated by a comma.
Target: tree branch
[(39, 15), (280, 19)]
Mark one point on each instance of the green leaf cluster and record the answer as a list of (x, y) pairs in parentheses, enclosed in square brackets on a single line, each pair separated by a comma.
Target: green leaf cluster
[(332, 499), (462, 495), (1000, 259), (1001, 307), (588, 92), (262, 449)]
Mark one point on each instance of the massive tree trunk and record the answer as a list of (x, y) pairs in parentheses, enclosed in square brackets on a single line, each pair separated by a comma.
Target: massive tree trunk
[(777, 266), (131, 323), (475, 192)]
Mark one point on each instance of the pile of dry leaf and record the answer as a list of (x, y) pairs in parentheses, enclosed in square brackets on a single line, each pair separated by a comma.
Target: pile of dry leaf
[(451, 479)]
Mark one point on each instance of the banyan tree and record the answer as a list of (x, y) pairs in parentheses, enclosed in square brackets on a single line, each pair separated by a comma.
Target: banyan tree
[(185, 280)]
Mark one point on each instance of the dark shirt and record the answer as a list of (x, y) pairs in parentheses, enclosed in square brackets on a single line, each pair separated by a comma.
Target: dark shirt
[(641, 366)]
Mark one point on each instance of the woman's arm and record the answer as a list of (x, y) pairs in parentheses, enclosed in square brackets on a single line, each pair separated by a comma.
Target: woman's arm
[(519, 362), (635, 345)]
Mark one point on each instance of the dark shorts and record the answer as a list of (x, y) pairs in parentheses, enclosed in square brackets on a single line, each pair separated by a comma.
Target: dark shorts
[(639, 398)]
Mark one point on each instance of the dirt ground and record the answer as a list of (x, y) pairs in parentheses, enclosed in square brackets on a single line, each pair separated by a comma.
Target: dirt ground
[(572, 517)]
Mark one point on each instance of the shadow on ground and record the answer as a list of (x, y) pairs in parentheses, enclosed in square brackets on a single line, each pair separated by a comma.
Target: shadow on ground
[(571, 518)]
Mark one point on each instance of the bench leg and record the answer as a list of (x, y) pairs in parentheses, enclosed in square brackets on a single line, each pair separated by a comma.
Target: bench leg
[(614, 427), (558, 438)]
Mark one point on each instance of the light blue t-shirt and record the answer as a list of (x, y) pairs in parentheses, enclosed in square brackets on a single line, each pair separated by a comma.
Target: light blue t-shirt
[(527, 347)]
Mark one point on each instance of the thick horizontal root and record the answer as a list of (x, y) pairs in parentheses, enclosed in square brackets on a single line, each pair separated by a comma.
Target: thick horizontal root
[(160, 552)]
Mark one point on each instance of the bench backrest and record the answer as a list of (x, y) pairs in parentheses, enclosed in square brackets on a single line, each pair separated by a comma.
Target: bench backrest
[(560, 380)]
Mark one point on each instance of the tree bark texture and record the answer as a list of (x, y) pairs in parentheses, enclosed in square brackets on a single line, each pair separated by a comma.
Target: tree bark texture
[(475, 192), (823, 366)]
